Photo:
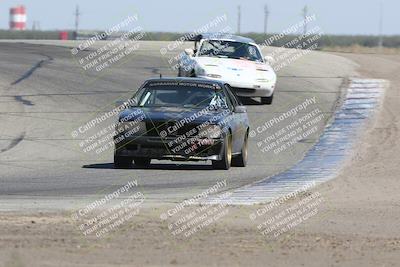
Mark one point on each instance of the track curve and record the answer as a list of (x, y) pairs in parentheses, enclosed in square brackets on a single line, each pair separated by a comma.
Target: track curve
[(54, 95)]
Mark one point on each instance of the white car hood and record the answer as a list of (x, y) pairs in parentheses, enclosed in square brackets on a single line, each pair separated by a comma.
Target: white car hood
[(236, 69)]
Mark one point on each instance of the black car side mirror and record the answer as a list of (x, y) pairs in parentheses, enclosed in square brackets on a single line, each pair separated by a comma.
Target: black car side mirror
[(240, 109)]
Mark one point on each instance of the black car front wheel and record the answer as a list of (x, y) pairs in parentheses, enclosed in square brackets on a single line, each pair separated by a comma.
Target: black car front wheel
[(142, 162), (241, 159), (122, 162), (226, 160)]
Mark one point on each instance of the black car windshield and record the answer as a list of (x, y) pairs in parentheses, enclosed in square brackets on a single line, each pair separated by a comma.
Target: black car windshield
[(182, 95), (229, 49)]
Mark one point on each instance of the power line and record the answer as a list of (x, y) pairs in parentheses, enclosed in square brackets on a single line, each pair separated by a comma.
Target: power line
[(239, 18), (305, 14), (380, 42), (266, 14), (77, 17), (35, 25)]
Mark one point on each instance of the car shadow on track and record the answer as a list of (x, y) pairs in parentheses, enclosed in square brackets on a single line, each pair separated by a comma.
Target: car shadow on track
[(179, 167), (250, 101)]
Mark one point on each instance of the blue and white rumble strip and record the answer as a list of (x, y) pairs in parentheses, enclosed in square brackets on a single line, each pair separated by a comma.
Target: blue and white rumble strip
[(325, 159)]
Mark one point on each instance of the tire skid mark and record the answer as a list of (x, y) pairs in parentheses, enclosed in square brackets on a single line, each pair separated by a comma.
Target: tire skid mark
[(29, 73), (333, 147), (14, 142), (20, 99), (67, 94)]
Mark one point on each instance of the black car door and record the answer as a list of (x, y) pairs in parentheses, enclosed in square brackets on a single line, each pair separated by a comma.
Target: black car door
[(237, 121)]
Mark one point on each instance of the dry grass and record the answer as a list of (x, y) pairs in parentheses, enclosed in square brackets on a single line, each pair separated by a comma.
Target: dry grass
[(362, 49)]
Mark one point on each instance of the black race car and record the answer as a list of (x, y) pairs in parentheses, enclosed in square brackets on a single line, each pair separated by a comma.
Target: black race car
[(182, 119)]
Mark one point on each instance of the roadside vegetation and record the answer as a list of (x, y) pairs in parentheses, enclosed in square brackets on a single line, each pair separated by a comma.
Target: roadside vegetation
[(342, 43)]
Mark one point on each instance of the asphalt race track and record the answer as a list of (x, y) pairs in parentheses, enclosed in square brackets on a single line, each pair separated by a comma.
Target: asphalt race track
[(45, 94)]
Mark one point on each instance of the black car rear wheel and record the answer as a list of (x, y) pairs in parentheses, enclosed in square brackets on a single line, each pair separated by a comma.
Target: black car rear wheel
[(122, 162), (241, 159), (225, 162), (142, 162)]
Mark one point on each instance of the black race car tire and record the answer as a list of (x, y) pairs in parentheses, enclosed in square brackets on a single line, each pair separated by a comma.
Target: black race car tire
[(226, 161), (241, 159), (122, 162), (142, 162)]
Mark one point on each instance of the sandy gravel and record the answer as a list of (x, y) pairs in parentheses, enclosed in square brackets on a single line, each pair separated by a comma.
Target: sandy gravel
[(356, 225)]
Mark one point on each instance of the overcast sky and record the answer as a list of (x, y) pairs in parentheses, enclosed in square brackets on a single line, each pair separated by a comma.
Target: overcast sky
[(334, 17)]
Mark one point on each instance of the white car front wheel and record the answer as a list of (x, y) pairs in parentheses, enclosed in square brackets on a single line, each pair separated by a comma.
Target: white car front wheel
[(267, 100)]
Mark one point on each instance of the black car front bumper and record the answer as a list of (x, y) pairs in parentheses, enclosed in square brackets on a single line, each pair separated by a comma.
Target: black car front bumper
[(162, 148)]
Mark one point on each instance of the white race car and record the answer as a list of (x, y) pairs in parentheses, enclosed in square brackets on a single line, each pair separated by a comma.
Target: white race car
[(233, 59)]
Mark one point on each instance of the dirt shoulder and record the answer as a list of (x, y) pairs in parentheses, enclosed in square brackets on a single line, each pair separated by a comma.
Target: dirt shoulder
[(356, 224)]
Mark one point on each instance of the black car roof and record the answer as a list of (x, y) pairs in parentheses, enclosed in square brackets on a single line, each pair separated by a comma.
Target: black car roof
[(186, 79)]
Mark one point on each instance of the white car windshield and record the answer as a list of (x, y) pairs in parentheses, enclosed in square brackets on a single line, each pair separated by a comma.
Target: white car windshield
[(229, 49)]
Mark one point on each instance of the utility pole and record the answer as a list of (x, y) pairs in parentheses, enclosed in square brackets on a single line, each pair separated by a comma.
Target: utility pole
[(239, 18), (305, 14), (77, 16), (266, 14), (36, 25), (380, 42)]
